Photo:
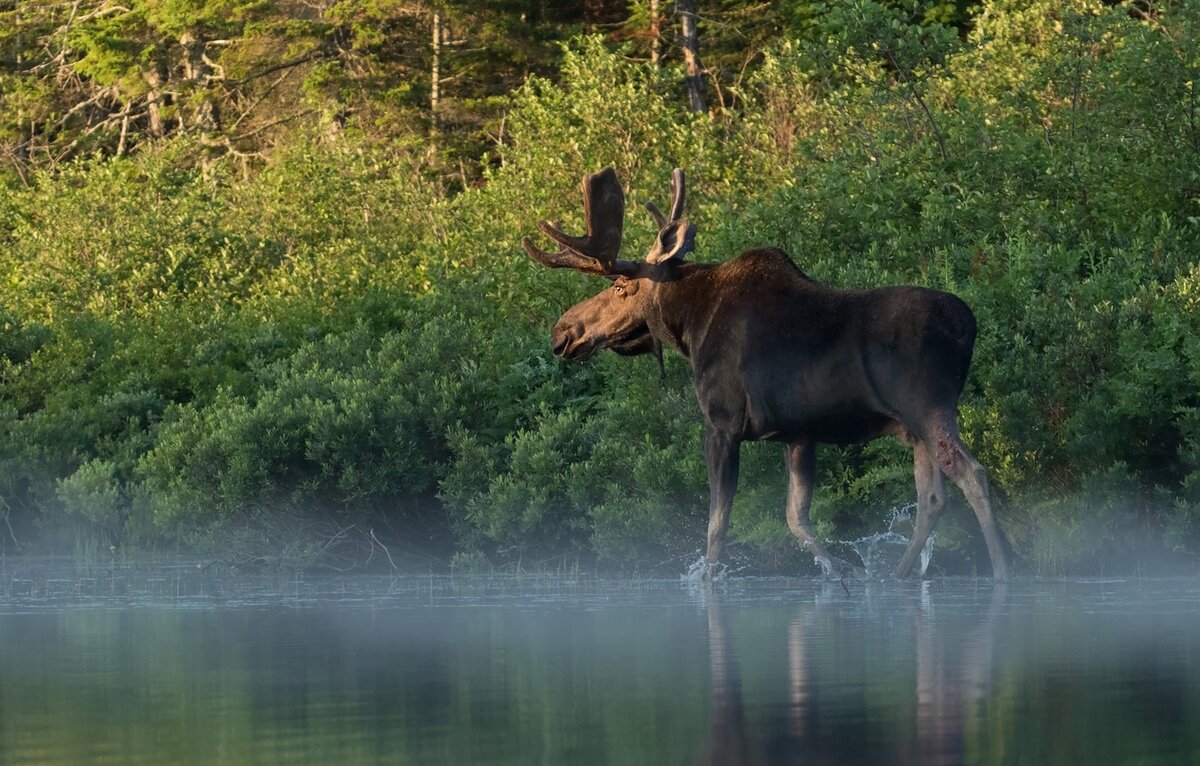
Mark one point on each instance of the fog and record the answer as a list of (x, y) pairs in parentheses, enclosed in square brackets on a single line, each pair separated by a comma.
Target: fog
[(171, 663)]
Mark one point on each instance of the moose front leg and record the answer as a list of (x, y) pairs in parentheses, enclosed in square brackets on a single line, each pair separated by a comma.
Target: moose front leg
[(722, 453), (801, 459)]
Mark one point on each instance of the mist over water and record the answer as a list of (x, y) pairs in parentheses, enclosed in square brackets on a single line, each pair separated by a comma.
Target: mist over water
[(171, 664)]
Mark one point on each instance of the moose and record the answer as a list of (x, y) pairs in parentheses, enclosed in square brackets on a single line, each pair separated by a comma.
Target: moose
[(776, 355)]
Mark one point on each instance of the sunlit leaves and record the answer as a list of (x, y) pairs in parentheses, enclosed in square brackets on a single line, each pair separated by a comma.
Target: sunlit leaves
[(184, 352)]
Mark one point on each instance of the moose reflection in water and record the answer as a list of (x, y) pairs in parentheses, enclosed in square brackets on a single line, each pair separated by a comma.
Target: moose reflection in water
[(778, 356), (954, 671)]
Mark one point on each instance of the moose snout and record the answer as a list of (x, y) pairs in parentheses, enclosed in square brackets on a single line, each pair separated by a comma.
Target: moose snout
[(562, 337), (565, 340), (559, 344)]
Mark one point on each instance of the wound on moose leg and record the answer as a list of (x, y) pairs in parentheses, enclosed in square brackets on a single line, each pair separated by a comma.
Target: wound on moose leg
[(948, 454)]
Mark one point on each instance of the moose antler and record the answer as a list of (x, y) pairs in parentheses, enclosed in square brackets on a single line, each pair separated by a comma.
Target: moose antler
[(678, 197), (595, 252), (676, 236)]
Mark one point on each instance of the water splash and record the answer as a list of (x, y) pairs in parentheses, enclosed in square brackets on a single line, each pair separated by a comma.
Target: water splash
[(881, 552), (696, 571), (827, 567), (926, 554)]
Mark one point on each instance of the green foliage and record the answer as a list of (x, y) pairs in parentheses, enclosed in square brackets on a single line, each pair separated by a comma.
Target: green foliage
[(202, 355), (244, 79), (94, 493)]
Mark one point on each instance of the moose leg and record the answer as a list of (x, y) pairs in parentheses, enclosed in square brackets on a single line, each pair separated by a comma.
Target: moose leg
[(952, 458), (722, 453), (930, 503), (802, 464)]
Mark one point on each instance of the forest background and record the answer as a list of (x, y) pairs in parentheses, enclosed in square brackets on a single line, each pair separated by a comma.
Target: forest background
[(263, 296)]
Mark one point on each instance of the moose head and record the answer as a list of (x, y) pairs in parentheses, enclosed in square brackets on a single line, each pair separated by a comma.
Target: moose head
[(617, 318)]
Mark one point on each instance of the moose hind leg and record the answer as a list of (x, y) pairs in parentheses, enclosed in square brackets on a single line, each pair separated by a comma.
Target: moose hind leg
[(953, 459), (801, 465), (722, 454), (930, 503)]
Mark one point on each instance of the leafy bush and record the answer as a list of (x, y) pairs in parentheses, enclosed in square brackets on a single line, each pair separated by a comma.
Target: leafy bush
[(186, 353)]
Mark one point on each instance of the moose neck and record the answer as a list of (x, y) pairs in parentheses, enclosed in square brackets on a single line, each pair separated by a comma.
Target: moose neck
[(683, 307)]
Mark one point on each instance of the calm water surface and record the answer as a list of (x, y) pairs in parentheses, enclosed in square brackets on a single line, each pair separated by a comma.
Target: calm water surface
[(168, 664)]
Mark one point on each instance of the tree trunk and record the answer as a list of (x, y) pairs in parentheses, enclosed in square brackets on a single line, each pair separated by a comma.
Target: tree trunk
[(690, 44), (20, 40), (198, 73), (155, 78), (122, 142), (655, 33), (435, 74)]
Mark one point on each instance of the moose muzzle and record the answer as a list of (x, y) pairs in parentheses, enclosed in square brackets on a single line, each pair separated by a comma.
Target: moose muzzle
[(567, 341)]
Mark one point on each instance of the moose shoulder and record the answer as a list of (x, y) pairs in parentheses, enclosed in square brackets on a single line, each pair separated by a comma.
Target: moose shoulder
[(776, 355)]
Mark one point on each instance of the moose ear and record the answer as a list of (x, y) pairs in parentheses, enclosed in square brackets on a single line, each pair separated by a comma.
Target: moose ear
[(675, 240)]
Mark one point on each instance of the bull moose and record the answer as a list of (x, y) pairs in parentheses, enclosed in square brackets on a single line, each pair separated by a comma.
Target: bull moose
[(778, 356)]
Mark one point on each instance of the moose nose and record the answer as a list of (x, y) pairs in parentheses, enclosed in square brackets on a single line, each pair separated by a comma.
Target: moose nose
[(562, 337), (560, 345)]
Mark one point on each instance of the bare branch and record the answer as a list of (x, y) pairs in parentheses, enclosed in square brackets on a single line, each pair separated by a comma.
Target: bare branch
[(298, 60)]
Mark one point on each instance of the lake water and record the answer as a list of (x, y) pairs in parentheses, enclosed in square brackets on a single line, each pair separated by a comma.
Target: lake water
[(171, 664)]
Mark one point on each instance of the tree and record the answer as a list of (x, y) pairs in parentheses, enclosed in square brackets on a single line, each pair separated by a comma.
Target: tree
[(689, 43)]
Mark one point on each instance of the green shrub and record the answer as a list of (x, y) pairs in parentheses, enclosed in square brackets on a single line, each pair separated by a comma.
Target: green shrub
[(206, 357)]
